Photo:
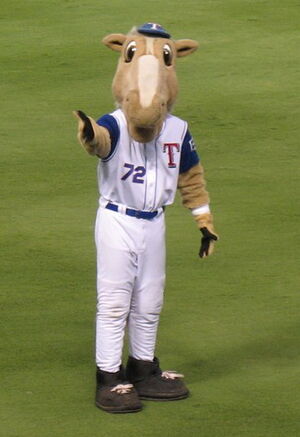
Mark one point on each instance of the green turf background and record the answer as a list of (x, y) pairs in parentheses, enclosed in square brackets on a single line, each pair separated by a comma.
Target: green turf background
[(231, 322)]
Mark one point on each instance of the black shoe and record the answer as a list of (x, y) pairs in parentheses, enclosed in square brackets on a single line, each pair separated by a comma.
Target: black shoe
[(153, 384), (114, 394)]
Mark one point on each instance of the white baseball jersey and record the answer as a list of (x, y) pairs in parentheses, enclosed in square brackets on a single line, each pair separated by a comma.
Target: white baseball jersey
[(143, 176)]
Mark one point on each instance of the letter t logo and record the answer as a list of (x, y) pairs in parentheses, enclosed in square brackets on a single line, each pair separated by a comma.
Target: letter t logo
[(169, 147)]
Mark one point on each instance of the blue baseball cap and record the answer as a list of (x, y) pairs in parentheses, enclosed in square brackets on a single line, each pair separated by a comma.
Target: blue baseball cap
[(153, 29)]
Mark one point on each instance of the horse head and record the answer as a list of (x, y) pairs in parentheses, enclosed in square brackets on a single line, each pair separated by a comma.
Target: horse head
[(145, 83)]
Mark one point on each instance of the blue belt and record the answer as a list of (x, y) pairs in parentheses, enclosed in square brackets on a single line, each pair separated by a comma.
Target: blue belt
[(147, 215)]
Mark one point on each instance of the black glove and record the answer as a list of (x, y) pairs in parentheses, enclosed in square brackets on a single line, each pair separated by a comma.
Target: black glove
[(87, 131), (206, 242)]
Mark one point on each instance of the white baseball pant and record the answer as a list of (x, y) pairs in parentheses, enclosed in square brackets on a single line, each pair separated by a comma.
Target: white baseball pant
[(130, 285)]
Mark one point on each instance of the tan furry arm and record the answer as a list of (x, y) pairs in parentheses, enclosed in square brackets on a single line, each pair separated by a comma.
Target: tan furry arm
[(100, 145), (205, 221), (191, 185)]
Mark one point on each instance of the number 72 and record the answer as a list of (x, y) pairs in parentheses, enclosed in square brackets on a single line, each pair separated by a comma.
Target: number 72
[(137, 173)]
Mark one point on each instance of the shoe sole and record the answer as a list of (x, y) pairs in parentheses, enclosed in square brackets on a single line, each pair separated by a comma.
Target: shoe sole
[(178, 398), (113, 411)]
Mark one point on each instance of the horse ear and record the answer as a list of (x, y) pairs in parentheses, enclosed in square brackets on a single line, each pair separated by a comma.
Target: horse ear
[(185, 47), (114, 41)]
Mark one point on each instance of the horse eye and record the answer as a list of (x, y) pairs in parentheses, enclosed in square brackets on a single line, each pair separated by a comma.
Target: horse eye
[(130, 51), (167, 53)]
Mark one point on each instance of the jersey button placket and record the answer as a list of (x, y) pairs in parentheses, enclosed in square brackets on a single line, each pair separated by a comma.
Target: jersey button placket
[(150, 152)]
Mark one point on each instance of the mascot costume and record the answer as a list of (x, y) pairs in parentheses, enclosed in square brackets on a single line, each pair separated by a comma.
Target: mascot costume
[(145, 154)]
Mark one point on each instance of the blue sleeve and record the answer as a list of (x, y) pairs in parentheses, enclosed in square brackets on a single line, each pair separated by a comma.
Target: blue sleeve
[(110, 123), (189, 156)]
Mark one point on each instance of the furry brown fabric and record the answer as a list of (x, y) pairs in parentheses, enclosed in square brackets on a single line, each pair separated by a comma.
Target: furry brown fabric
[(100, 145), (145, 121), (205, 221), (185, 47), (144, 118), (191, 185)]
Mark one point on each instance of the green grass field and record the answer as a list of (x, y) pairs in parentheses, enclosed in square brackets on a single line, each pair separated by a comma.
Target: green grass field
[(230, 323)]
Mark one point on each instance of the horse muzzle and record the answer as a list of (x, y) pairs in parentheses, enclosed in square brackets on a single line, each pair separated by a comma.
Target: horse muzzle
[(144, 119)]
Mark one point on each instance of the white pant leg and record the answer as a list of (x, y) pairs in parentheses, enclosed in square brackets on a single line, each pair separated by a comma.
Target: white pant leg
[(116, 272), (148, 292)]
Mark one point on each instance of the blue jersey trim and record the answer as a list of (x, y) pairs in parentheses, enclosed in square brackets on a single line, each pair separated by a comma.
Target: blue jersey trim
[(189, 157), (110, 123)]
